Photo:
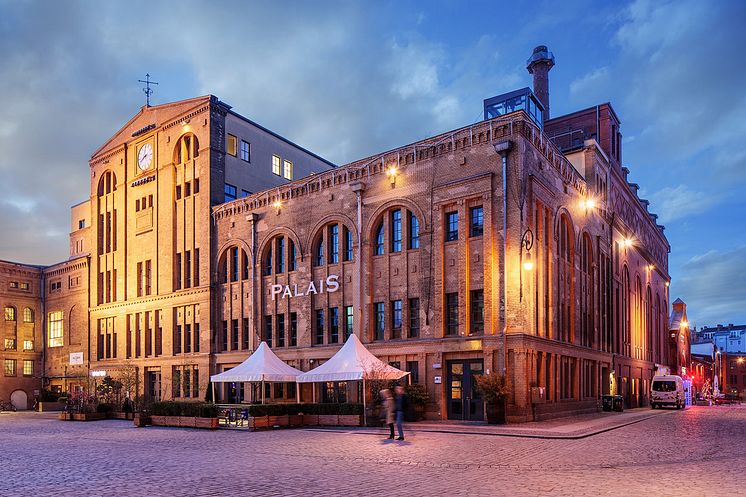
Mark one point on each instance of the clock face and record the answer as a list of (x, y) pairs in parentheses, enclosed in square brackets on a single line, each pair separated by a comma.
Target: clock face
[(145, 156)]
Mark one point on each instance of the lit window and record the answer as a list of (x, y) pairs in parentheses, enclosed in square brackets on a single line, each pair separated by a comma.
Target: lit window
[(349, 321), (10, 313), (28, 345), (451, 226), (13, 284), (230, 144), (28, 367), (24, 286), (230, 192), (245, 151), (288, 170), (55, 329), (476, 221), (276, 164), (10, 367), (10, 344)]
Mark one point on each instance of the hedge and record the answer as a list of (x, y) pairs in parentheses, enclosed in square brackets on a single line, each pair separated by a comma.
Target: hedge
[(188, 409), (258, 410)]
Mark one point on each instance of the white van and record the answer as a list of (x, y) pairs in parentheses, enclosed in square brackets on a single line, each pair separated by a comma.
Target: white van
[(667, 390)]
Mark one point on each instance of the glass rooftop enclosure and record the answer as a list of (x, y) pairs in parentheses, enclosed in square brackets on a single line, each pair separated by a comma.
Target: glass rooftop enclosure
[(523, 99)]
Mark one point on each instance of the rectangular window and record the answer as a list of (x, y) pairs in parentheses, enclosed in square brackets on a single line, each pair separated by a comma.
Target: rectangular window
[(245, 151), (230, 144), (196, 337), (476, 221), (334, 244), (230, 192), (280, 330), (413, 368), (176, 382), (379, 317), (280, 255), (28, 345), (81, 224), (10, 344), (451, 313), (148, 268), (396, 231), (187, 382), (293, 329), (476, 324), (177, 272), (187, 190), (196, 270), (414, 232), (28, 367), (334, 325), (234, 264), (319, 335), (276, 162), (451, 226), (291, 256), (234, 335), (245, 193), (178, 197), (348, 244), (187, 339), (55, 329), (187, 269), (245, 334), (224, 337), (268, 330), (349, 321), (10, 367), (396, 318), (287, 169), (177, 339), (414, 318)]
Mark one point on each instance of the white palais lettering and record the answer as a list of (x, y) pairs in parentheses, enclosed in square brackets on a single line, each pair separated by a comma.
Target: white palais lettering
[(329, 285)]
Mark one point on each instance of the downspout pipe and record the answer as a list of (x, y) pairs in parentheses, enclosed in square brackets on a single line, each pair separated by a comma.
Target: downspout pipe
[(502, 148)]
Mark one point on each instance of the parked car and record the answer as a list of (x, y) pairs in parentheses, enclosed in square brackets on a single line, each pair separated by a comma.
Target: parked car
[(667, 390), (727, 398)]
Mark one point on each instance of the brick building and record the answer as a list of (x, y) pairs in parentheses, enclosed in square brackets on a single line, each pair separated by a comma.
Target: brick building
[(514, 245)]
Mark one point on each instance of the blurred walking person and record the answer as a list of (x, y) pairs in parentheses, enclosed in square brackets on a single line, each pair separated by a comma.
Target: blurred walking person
[(387, 410), (400, 404)]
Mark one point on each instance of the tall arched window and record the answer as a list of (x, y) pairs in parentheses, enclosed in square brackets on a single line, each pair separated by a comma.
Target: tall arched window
[(638, 330), (28, 315), (187, 148), (279, 256), (329, 247), (649, 324), (107, 214), (587, 329), (626, 302), (566, 257), (379, 246), (10, 313), (233, 265)]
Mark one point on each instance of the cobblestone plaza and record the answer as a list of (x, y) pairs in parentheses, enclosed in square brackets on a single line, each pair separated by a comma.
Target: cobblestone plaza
[(694, 452)]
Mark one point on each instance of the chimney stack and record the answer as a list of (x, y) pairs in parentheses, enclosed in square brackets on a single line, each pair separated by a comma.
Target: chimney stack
[(540, 63)]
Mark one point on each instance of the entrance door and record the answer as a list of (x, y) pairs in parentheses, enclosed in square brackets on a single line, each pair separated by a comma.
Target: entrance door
[(464, 400)]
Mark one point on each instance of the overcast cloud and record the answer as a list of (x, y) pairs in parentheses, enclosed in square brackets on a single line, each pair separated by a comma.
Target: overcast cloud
[(349, 79)]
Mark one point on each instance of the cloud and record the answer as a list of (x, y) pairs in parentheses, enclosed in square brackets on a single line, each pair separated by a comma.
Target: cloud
[(712, 285), (678, 202), (592, 83)]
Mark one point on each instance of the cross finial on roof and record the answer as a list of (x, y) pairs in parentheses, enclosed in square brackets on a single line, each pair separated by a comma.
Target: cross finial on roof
[(147, 90)]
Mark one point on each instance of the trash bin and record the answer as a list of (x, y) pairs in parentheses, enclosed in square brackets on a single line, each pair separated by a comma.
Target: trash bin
[(618, 403), (607, 401)]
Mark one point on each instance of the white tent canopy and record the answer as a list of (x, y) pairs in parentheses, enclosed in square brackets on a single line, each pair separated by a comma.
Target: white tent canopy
[(262, 365), (352, 362)]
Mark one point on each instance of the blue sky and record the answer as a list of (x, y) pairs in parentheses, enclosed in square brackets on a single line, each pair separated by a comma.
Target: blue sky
[(349, 79)]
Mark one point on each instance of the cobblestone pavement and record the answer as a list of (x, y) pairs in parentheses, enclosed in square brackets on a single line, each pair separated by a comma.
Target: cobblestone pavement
[(699, 451)]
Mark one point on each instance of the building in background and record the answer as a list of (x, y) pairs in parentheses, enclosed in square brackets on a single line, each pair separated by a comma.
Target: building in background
[(515, 245), (729, 342)]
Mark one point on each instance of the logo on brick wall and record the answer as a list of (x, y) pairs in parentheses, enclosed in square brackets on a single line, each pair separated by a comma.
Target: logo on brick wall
[(329, 285)]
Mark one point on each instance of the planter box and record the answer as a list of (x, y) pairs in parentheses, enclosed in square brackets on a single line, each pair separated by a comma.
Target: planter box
[(89, 416), (141, 421), (51, 406), (295, 420), (278, 421), (65, 416), (122, 415), (310, 419), (328, 419), (350, 420), (184, 422), (258, 422)]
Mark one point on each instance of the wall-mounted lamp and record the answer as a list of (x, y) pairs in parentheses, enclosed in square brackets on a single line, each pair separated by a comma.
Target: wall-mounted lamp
[(527, 242), (277, 205), (588, 204), (627, 242), (685, 324), (391, 173), (651, 267), (184, 122), (668, 283)]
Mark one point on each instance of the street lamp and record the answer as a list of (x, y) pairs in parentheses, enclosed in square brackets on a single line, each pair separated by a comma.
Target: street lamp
[(527, 242)]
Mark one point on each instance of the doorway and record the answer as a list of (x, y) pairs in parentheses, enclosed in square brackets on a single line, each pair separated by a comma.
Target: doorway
[(464, 400), (19, 399)]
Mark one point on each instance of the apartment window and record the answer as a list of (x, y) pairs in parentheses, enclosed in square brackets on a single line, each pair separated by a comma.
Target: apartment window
[(451, 313), (13, 284), (334, 244), (451, 226), (245, 151), (414, 232), (319, 335), (276, 165), (10, 367), (10, 344), (293, 329), (268, 330), (379, 316), (230, 144), (379, 240), (287, 169), (28, 315), (396, 231), (334, 325), (477, 312), (349, 321), (55, 329), (414, 318), (348, 244), (245, 193), (230, 192), (28, 367), (25, 286), (396, 318), (280, 330), (413, 368), (476, 221), (81, 224), (10, 313), (28, 345)]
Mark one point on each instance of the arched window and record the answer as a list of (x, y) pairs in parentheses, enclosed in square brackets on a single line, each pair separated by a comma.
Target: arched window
[(107, 214), (28, 315), (329, 247), (397, 221), (626, 322), (187, 148), (414, 232), (396, 230), (10, 313), (233, 265), (279, 256), (379, 248), (638, 330), (107, 184), (587, 293), (318, 252), (649, 324), (566, 257)]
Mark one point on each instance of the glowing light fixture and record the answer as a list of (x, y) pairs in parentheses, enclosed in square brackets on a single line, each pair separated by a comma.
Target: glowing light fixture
[(685, 324), (391, 173), (627, 242), (528, 264), (588, 204), (651, 267)]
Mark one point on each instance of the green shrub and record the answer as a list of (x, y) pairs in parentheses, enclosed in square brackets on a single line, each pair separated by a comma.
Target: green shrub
[(417, 395), (187, 409), (105, 407)]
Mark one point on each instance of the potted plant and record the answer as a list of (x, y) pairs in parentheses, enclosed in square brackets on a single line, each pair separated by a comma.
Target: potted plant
[(494, 390)]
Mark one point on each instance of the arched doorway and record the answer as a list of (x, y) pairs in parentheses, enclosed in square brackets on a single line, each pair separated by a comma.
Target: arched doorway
[(19, 399)]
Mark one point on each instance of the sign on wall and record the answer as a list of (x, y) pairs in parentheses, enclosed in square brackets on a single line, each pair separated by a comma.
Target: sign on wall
[(76, 358), (329, 285)]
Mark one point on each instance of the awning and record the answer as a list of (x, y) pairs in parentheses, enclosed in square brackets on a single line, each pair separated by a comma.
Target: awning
[(262, 365)]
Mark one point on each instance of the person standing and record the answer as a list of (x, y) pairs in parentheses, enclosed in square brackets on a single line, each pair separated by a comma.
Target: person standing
[(387, 410), (400, 403)]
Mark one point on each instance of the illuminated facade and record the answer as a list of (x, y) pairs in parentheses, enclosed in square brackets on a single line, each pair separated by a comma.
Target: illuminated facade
[(510, 245)]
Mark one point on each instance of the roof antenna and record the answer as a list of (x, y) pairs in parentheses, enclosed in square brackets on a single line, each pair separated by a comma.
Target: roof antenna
[(147, 90)]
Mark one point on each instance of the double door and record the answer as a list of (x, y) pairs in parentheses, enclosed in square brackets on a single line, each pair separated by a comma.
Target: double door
[(464, 400)]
